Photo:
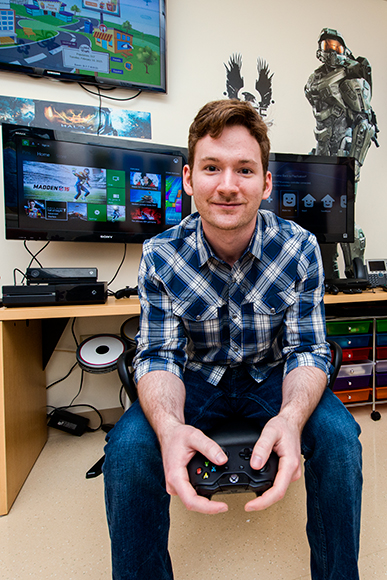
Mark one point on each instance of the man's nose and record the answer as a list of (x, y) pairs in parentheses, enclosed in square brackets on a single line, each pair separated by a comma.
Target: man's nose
[(228, 182)]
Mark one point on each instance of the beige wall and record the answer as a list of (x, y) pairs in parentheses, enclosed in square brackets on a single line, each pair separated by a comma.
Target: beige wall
[(201, 36)]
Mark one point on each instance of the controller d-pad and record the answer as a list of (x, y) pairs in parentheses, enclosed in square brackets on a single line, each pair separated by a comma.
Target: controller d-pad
[(246, 453)]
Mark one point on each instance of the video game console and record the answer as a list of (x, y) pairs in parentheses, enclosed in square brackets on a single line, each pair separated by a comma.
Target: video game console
[(237, 438)]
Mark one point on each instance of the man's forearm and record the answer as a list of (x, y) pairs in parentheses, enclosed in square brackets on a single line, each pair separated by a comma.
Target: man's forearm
[(162, 398), (302, 390)]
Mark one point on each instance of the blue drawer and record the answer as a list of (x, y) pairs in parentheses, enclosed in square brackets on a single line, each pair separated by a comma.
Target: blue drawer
[(353, 341)]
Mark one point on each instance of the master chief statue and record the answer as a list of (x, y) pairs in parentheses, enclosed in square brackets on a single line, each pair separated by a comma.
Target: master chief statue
[(340, 94)]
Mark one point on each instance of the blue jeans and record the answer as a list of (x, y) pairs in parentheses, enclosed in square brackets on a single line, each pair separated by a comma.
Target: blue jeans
[(137, 504)]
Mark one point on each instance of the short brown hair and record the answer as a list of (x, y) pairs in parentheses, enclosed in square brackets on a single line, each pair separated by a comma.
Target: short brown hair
[(216, 115)]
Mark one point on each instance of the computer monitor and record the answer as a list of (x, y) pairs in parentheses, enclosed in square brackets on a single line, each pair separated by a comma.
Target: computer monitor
[(316, 192), (63, 186)]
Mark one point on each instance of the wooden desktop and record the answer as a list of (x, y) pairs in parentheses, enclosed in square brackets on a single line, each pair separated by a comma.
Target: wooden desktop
[(23, 336)]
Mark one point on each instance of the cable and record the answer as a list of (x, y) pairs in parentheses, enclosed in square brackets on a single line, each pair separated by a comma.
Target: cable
[(63, 378), (34, 255), (79, 390), (20, 272), (119, 267), (73, 332), (111, 98)]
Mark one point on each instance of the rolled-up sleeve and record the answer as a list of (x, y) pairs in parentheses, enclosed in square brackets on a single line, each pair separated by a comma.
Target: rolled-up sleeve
[(304, 339), (161, 341)]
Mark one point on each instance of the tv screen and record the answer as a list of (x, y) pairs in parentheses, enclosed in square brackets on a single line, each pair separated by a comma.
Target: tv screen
[(316, 192), (117, 43), (75, 187)]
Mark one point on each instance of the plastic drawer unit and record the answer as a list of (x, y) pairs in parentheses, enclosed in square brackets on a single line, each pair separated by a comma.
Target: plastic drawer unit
[(353, 383), (354, 337), (381, 379)]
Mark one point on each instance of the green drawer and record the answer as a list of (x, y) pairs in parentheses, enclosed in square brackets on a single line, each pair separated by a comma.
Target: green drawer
[(350, 327), (381, 325)]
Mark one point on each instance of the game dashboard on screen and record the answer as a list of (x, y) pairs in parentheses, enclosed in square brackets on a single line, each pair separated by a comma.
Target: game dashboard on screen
[(93, 189), (316, 192), (113, 42)]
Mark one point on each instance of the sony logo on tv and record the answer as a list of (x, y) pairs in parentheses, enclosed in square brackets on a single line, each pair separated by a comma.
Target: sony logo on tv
[(105, 236)]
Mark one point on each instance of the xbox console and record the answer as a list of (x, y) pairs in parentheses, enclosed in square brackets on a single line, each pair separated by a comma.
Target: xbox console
[(51, 294)]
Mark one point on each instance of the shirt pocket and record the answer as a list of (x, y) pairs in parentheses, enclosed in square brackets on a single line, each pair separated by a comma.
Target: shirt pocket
[(202, 321), (268, 314)]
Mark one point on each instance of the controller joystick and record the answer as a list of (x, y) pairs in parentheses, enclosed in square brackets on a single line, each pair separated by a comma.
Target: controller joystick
[(237, 439)]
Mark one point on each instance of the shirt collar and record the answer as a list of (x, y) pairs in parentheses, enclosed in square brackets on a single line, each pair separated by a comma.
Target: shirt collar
[(255, 246)]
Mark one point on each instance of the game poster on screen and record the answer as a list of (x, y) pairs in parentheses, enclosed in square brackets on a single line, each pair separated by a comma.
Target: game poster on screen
[(69, 192)]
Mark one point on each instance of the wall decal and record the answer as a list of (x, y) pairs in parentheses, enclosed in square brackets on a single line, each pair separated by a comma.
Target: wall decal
[(260, 94), (340, 93), (78, 118)]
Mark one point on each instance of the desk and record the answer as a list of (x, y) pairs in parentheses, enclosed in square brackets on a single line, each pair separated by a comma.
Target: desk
[(23, 423)]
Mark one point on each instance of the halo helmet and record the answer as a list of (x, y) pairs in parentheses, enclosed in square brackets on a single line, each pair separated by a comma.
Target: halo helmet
[(332, 49)]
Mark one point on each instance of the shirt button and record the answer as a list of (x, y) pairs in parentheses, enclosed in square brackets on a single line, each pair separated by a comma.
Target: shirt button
[(272, 310), (198, 317)]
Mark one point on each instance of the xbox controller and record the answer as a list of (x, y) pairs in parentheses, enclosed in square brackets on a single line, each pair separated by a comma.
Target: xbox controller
[(237, 439)]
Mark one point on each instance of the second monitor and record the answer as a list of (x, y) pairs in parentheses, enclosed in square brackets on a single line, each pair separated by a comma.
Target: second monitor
[(316, 192)]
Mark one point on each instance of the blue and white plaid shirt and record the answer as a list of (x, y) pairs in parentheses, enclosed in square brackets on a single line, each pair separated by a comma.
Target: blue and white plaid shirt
[(198, 312)]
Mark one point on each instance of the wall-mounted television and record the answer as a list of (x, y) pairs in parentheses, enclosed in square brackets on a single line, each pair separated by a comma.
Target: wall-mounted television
[(316, 192), (63, 186), (119, 43)]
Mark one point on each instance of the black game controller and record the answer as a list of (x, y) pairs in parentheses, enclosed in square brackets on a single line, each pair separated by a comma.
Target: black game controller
[(237, 439)]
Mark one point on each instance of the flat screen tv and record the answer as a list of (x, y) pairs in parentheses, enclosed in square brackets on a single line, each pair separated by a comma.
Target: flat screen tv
[(109, 43), (316, 192), (76, 187)]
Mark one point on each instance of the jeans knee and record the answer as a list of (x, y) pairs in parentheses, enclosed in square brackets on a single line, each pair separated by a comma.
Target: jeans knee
[(132, 454)]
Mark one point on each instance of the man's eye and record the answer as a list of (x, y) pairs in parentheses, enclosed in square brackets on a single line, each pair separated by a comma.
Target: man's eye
[(210, 168), (246, 171)]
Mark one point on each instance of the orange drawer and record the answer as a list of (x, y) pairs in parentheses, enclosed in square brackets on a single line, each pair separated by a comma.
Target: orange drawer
[(354, 396), (381, 392)]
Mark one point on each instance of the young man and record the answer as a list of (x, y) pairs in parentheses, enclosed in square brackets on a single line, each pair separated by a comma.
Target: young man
[(232, 323)]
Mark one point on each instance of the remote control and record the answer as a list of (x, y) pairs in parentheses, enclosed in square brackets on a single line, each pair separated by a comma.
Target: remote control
[(237, 439)]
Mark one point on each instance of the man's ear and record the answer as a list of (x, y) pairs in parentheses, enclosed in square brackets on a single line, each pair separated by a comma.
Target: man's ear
[(187, 180), (268, 185)]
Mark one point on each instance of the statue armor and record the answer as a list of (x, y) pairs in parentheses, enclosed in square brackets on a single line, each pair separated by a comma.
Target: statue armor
[(340, 94)]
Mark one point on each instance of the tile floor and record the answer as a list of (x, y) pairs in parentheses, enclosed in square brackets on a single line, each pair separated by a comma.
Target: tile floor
[(57, 528)]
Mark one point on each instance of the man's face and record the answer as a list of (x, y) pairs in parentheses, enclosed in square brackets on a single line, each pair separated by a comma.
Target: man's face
[(227, 180)]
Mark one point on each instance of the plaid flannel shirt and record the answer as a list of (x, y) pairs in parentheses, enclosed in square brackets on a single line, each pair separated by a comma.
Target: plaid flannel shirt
[(198, 312)]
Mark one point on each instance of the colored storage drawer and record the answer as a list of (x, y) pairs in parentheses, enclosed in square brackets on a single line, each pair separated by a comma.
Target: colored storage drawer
[(353, 354), (361, 368), (381, 379), (381, 325), (349, 383), (349, 327), (381, 392), (353, 341), (358, 396), (381, 352), (381, 366), (381, 339)]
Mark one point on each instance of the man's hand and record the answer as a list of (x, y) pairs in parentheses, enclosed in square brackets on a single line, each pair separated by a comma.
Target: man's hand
[(178, 448), (283, 437)]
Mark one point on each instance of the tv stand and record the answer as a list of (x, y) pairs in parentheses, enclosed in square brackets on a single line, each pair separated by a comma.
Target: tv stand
[(28, 335)]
